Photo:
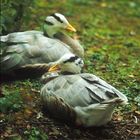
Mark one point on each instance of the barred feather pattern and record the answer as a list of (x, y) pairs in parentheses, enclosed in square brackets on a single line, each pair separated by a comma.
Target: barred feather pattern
[(65, 111), (37, 67)]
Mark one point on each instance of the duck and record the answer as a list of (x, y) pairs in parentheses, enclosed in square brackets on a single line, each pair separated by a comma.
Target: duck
[(81, 99), (27, 48)]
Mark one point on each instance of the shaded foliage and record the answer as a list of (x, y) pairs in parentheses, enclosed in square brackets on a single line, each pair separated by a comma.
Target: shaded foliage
[(12, 14), (11, 102)]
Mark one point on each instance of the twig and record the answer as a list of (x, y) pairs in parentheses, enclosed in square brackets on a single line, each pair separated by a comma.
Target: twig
[(136, 119)]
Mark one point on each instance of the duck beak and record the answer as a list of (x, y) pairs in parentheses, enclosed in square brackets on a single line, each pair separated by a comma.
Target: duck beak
[(70, 28), (55, 67)]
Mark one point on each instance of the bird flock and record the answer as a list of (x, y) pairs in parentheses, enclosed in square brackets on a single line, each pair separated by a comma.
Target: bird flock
[(82, 99)]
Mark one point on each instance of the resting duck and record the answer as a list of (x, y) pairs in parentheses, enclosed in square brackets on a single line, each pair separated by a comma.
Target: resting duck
[(80, 98), (31, 47)]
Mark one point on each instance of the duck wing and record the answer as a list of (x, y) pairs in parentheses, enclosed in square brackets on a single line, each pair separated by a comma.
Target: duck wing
[(68, 88), (82, 90), (18, 37), (83, 98), (29, 47), (107, 92)]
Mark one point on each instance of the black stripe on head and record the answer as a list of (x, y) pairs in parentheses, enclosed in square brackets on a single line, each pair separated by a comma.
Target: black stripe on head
[(48, 23), (57, 18), (71, 59)]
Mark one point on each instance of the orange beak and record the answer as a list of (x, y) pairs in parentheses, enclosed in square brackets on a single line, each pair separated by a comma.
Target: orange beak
[(70, 28), (54, 68)]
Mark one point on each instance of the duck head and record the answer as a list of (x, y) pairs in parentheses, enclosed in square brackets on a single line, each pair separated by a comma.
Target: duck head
[(68, 63), (55, 23)]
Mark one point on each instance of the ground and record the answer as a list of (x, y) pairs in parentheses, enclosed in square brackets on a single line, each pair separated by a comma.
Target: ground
[(110, 34)]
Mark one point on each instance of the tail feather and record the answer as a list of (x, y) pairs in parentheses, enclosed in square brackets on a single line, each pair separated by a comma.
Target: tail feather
[(3, 38), (10, 62), (115, 101)]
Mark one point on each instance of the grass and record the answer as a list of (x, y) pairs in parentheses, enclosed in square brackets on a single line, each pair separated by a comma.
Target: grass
[(110, 34)]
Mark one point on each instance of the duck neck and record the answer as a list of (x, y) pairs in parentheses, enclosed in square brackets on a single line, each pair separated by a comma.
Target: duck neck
[(50, 31), (75, 46)]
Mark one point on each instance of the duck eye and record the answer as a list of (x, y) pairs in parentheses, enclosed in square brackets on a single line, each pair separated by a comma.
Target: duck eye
[(80, 62)]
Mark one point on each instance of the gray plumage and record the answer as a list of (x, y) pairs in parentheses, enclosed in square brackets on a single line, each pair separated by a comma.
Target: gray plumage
[(83, 99), (31, 47), (80, 98)]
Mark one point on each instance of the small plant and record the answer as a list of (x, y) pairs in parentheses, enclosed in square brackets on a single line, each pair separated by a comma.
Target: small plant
[(11, 102), (35, 134)]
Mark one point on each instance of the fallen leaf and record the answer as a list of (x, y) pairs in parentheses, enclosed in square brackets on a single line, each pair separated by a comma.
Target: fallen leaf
[(28, 112), (8, 130), (27, 97), (137, 112), (39, 115), (28, 126), (131, 76), (18, 116), (103, 4), (35, 91), (136, 132), (54, 132), (132, 33)]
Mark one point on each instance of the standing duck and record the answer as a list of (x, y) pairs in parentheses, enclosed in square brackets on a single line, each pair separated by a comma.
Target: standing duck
[(80, 98), (31, 47)]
